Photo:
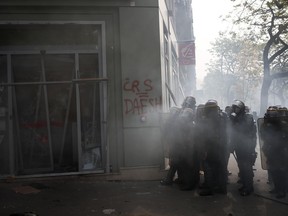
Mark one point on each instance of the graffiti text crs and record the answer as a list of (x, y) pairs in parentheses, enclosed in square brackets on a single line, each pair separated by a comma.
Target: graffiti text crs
[(141, 102)]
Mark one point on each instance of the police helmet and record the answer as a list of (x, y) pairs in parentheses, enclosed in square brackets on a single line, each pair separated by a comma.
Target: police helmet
[(211, 107), (238, 106), (211, 104), (272, 111), (189, 102)]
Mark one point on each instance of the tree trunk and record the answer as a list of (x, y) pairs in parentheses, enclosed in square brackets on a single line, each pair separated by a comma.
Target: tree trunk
[(266, 78), (264, 94)]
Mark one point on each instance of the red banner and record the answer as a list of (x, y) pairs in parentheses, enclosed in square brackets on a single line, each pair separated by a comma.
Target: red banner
[(187, 53)]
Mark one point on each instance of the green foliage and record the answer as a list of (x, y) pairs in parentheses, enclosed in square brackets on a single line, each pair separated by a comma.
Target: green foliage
[(266, 21), (257, 16), (234, 70)]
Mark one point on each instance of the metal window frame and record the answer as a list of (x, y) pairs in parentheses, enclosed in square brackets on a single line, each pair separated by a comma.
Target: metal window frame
[(76, 50)]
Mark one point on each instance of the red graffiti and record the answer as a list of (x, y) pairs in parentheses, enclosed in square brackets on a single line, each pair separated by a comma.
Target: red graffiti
[(148, 83), (136, 86), (140, 106), (142, 102)]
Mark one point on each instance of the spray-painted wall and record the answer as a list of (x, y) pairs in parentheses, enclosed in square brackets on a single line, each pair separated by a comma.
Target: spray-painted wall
[(141, 85)]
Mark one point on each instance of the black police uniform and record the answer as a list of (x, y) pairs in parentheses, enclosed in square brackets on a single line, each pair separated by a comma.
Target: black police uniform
[(179, 129), (243, 139), (215, 148)]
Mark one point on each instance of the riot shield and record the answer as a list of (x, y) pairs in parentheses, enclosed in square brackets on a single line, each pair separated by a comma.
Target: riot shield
[(282, 136), (260, 124)]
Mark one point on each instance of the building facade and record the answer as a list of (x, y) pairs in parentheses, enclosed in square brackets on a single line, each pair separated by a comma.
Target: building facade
[(85, 85)]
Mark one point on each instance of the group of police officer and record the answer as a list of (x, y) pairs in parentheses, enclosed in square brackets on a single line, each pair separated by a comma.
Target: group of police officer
[(201, 138)]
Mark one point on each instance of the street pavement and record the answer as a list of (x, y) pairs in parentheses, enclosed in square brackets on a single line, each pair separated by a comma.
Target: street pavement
[(89, 196)]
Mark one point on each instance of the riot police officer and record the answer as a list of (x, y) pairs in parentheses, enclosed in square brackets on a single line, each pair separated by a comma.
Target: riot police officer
[(179, 133), (243, 141), (215, 150), (274, 135), (188, 171)]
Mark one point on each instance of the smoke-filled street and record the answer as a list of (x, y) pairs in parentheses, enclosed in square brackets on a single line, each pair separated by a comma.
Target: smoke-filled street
[(88, 196)]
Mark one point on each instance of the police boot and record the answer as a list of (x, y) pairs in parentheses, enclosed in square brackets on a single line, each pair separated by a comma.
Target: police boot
[(206, 192), (166, 182), (245, 191)]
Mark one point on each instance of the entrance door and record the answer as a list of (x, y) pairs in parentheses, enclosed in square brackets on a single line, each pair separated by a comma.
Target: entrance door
[(56, 95), (58, 106)]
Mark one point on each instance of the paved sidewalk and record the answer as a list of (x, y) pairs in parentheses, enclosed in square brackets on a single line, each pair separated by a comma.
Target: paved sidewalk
[(87, 196)]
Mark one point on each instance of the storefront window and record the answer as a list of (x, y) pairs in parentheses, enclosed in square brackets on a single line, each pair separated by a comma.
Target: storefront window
[(57, 99)]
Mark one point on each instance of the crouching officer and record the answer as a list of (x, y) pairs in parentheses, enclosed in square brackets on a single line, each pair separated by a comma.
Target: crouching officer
[(178, 133)]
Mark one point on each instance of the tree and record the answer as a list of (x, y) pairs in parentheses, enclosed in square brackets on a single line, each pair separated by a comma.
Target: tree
[(233, 72), (266, 21)]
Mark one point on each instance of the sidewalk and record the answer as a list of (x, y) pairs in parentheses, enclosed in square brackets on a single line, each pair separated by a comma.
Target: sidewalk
[(87, 196)]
